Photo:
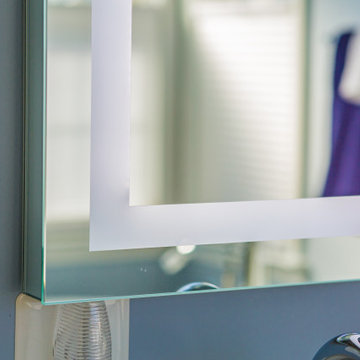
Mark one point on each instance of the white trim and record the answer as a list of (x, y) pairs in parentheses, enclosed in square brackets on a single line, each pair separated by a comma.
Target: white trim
[(115, 225)]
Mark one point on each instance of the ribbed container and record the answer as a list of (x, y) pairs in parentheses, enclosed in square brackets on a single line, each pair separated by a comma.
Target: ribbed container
[(82, 332)]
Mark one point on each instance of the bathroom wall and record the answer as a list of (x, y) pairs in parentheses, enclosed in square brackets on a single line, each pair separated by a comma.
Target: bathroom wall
[(10, 168), (273, 323), (288, 323)]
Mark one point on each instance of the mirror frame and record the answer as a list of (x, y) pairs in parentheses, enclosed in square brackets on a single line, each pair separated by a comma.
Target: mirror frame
[(171, 225)]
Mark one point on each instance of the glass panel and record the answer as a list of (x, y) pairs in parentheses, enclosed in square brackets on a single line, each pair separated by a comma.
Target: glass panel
[(68, 111), (68, 130), (217, 101), (173, 175), (75, 274), (218, 94)]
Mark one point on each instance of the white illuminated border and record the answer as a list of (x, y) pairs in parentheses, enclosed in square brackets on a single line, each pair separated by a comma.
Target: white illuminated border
[(115, 225)]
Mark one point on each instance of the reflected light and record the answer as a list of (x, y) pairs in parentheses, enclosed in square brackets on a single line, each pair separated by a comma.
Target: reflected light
[(185, 249)]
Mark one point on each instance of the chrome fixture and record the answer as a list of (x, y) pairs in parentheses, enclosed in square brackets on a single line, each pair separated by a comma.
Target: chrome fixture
[(343, 347), (197, 286)]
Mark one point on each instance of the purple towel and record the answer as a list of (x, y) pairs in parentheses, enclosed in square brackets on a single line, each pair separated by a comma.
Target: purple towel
[(344, 171)]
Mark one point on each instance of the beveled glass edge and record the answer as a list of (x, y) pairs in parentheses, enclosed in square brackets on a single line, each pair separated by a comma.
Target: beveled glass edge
[(34, 144), (197, 292)]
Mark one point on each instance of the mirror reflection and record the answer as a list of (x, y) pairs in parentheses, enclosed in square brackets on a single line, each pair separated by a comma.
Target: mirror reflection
[(73, 273), (232, 100)]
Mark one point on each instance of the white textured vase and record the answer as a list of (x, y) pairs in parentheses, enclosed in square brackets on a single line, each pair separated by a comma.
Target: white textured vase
[(82, 332)]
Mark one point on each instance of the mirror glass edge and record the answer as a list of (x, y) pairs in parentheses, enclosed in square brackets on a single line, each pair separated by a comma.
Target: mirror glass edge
[(50, 301), (34, 147)]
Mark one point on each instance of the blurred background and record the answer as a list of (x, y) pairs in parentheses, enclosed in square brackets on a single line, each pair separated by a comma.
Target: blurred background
[(217, 98)]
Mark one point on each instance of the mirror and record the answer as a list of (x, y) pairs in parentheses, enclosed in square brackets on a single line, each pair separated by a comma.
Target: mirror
[(217, 101), (75, 274), (230, 103), (231, 100)]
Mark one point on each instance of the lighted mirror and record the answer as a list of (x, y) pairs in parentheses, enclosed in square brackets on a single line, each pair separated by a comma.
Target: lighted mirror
[(207, 115), (175, 139)]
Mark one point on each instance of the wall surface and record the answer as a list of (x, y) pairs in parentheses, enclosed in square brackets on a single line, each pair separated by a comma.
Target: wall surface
[(274, 323), (10, 168)]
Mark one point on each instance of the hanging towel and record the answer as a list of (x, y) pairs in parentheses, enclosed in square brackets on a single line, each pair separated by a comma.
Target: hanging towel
[(344, 171), (350, 80)]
